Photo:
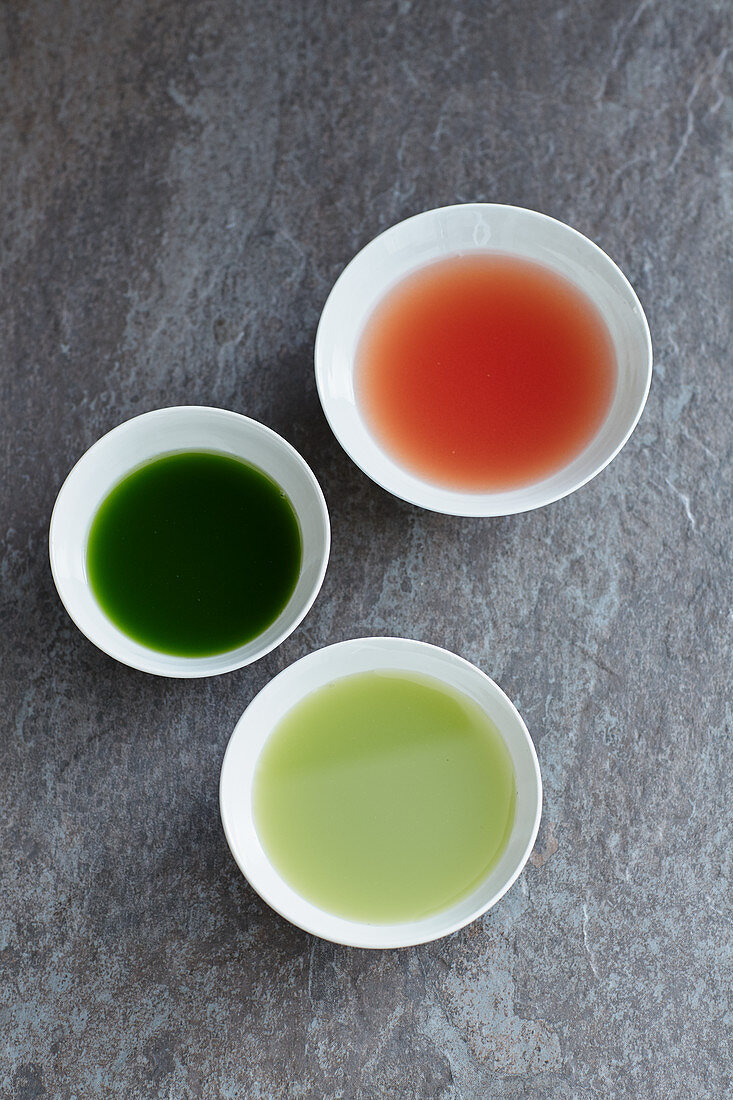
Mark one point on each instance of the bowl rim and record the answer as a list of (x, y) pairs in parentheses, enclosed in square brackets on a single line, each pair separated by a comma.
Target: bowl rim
[(185, 667), (449, 502), (384, 936)]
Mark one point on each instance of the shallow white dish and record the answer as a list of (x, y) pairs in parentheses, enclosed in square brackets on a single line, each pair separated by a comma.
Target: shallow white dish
[(164, 431), (457, 230), (322, 667)]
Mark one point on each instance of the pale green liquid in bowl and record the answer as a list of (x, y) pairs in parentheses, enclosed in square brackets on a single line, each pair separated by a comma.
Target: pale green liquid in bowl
[(384, 797)]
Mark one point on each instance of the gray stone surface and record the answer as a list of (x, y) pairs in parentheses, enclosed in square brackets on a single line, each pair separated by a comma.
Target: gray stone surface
[(182, 182)]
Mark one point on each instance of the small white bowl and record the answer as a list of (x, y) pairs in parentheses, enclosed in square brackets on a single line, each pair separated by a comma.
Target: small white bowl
[(458, 230), (164, 431), (322, 667)]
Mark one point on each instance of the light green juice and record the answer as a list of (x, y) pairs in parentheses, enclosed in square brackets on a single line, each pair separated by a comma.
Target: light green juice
[(384, 797)]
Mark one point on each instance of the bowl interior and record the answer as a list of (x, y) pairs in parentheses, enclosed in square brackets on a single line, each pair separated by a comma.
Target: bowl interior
[(458, 230), (312, 672), (131, 445)]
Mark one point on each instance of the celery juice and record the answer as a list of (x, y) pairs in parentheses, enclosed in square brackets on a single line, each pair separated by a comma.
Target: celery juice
[(384, 797)]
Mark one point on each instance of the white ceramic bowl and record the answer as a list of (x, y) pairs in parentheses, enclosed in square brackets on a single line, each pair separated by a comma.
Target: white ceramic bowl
[(322, 667), (162, 432), (458, 230)]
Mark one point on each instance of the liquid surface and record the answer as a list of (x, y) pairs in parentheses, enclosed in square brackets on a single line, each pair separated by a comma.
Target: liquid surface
[(194, 553), (384, 797), (485, 372)]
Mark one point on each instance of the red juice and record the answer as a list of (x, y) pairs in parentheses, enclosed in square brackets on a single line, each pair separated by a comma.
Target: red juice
[(485, 372)]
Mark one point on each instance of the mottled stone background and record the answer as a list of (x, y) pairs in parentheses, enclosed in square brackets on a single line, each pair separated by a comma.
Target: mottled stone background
[(182, 182)]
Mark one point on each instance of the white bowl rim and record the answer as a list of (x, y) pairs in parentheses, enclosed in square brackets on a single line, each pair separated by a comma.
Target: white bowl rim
[(381, 931), (448, 502), (191, 667)]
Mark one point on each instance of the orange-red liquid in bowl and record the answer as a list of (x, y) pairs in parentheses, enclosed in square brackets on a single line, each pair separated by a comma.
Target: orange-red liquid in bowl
[(485, 372)]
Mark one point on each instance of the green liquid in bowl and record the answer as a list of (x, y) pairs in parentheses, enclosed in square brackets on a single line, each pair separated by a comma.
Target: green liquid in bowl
[(384, 797), (194, 554)]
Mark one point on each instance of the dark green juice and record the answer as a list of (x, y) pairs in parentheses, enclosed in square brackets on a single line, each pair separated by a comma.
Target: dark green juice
[(384, 797), (194, 553)]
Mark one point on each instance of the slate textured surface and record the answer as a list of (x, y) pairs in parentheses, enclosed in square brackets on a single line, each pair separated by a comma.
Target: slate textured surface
[(182, 182)]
